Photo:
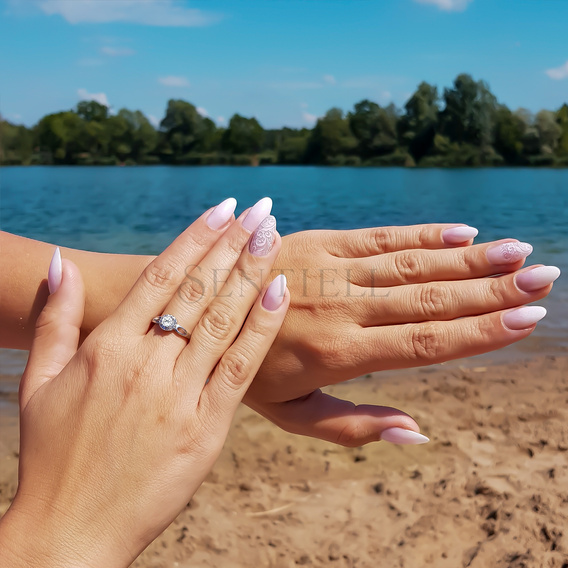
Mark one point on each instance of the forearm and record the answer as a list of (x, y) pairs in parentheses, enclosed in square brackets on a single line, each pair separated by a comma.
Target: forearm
[(23, 287)]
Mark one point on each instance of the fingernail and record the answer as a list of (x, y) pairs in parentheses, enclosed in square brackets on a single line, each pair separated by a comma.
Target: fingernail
[(456, 235), (220, 216), (262, 239), (55, 272), (402, 436), (507, 253), (524, 317), (537, 278), (260, 210), (274, 295)]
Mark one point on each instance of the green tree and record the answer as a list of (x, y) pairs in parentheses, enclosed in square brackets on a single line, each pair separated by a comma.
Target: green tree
[(16, 143), (549, 131), (419, 124), (244, 135), (562, 121), (60, 135), (470, 111), (375, 128), (183, 127), (331, 138), (92, 111), (509, 131)]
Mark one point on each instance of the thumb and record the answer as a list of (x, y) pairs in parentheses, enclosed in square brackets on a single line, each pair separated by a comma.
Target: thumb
[(58, 326), (342, 422)]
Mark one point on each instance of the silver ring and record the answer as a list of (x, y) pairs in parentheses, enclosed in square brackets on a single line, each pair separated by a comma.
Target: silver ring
[(169, 323)]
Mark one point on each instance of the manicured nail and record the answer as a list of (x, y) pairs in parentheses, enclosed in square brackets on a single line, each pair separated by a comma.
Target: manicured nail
[(220, 216), (402, 436), (55, 272), (274, 295), (524, 317), (537, 278), (456, 235), (507, 253), (262, 239), (260, 210)]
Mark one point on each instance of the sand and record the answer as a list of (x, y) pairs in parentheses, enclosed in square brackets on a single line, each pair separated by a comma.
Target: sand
[(490, 490)]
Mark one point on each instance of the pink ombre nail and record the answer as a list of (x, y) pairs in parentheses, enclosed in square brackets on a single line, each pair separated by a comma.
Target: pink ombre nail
[(508, 253), (55, 272), (260, 210), (456, 235), (537, 278), (523, 318), (274, 295), (402, 436), (220, 216)]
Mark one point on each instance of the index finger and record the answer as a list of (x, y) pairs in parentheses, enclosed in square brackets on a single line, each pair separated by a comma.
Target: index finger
[(162, 277)]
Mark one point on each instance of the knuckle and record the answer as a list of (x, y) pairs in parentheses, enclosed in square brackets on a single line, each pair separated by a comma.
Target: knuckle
[(496, 291), (485, 328), (423, 236), (466, 259), (158, 274), (217, 323), (234, 368), (381, 240), (408, 267), (426, 342), (432, 301), (102, 348), (191, 291)]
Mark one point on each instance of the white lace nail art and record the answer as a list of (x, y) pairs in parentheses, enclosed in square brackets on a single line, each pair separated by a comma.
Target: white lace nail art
[(262, 239)]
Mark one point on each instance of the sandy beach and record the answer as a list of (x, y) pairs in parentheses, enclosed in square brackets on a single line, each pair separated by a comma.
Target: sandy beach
[(490, 490)]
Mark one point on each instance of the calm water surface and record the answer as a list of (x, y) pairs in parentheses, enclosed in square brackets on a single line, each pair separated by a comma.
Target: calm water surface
[(141, 209)]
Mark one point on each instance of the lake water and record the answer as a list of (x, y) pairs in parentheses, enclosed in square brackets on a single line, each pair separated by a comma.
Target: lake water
[(141, 209)]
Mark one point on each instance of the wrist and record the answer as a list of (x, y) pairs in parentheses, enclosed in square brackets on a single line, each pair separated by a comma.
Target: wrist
[(42, 537)]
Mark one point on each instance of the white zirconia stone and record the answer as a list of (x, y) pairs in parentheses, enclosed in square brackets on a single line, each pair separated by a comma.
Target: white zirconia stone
[(168, 322)]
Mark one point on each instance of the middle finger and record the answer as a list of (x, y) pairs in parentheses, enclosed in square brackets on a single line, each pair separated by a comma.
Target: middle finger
[(437, 301)]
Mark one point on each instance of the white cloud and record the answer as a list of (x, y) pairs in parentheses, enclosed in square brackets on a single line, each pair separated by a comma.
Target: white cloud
[(221, 120), (174, 81), (144, 12), (201, 111), (101, 98), (153, 121), (558, 73), (448, 5), (117, 51), (309, 118), (304, 105), (329, 79)]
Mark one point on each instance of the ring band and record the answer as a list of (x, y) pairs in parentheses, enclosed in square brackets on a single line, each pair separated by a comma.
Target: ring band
[(169, 323)]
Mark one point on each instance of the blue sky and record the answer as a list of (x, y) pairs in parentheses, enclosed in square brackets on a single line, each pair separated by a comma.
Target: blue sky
[(283, 61)]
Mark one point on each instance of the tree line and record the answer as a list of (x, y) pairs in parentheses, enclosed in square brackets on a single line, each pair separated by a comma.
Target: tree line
[(464, 126)]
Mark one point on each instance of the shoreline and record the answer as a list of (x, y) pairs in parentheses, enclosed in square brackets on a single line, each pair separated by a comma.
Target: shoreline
[(489, 490)]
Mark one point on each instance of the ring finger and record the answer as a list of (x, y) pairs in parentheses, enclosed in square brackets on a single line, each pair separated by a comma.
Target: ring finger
[(203, 283)]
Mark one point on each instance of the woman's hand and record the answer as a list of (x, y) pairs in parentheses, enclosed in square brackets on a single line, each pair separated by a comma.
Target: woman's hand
[(118, 435), (388, 298)]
